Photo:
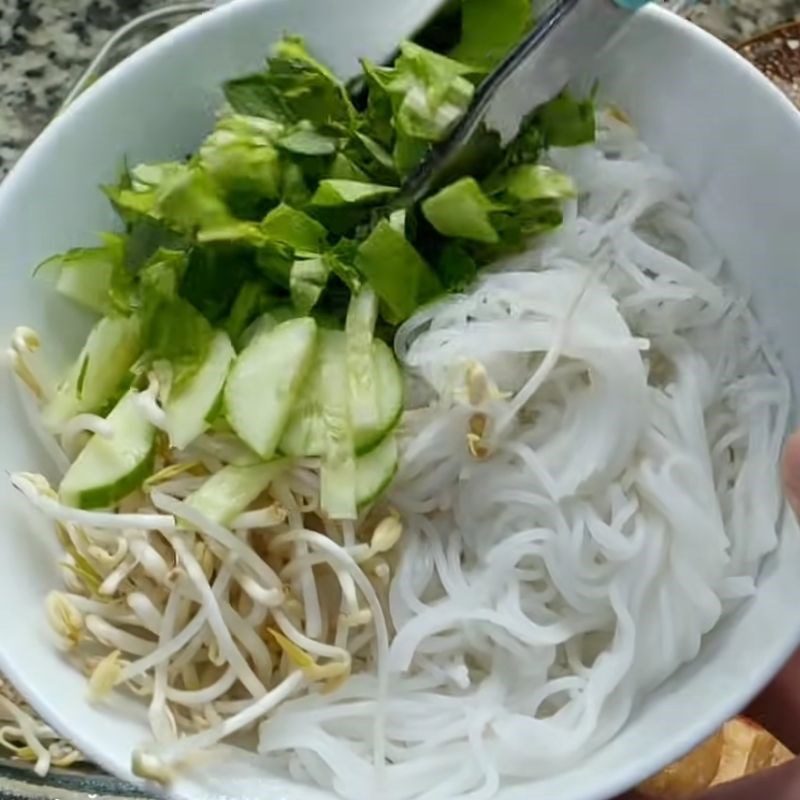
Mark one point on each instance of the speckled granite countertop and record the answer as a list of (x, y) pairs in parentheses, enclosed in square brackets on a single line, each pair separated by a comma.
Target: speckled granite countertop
[(45, 44)]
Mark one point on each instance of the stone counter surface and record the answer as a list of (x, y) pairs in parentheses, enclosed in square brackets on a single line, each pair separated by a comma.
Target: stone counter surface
[(45, 44)]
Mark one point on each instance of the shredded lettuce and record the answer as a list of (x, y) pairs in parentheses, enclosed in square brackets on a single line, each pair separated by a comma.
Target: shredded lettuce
[(294, 228), (274, 261), (372, 157), (295, 87), (252, 300), (429, 92), (307, 281), (341, 260), (538, 182), (396, 271), (242, 159), (490, 28), (331, 192), (173, 329), (462, 210), (566, 121), (344, 168), (304, 140), (213, 277), (189, 200), (88, 275), (290, 204)]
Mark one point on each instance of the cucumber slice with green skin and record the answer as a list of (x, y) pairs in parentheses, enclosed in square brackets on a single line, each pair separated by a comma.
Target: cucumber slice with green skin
[(361, 316), (107, 470), (100, 372), (188, 412), (375, 471), (388, 378), (231, 490), (338, 472), (264, 381), (305, 432), (227, 447)]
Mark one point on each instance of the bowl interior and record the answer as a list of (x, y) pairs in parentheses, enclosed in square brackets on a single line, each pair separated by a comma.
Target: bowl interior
[(729, 133)]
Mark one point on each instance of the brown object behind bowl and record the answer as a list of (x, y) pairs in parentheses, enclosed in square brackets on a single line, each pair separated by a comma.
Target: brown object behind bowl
[(742, 748), (689, 776), (777, 54)]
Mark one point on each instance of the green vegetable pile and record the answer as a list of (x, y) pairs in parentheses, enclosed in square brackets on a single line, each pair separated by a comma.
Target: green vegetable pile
[(287, 207), (252, 279)]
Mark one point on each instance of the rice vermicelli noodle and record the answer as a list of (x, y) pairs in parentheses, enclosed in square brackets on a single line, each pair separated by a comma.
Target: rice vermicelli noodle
[(587, 484)]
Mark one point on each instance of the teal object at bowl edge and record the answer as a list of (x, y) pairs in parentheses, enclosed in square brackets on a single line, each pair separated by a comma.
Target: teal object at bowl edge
[(632, 5)]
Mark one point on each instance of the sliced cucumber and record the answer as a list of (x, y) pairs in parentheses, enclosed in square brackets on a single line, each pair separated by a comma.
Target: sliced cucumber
[(188, 412), (388, 379), (106, 470), (375, 470), (264, 381), (226, 447), (100, 372), (361, 316), (231, 490), (305, 432), (338, 473)]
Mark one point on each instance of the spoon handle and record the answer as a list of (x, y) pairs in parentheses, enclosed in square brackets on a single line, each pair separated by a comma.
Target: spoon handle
[(561, 45)]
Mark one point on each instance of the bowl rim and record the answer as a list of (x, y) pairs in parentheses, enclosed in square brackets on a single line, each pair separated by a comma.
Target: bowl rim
[(636, 769)]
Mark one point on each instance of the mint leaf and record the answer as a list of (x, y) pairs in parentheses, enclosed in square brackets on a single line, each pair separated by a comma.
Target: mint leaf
[(294, 87), (213, 277), (255, 95)]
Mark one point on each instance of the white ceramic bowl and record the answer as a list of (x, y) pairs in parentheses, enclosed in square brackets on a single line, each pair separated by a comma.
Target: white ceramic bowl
[(731, 135)]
